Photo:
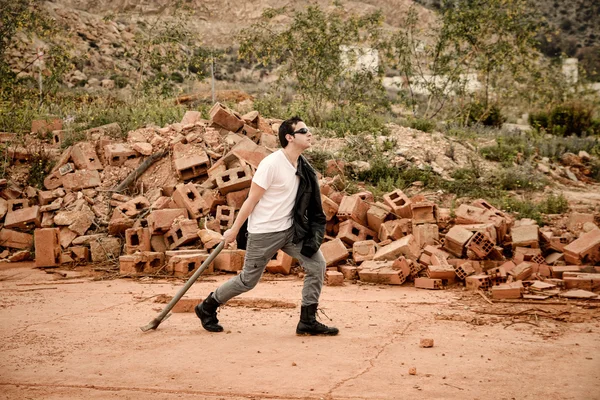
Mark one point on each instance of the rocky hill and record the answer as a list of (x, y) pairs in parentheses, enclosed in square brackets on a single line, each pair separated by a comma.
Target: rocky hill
[(107, 39)]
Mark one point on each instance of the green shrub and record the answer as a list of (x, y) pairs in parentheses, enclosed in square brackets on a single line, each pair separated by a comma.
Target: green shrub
[(487, 116), (509, 145), (354, 119), (553, 204), (41, 164), (521, 177), (573, 118), (120, 81), (422, 124), (318, 158)]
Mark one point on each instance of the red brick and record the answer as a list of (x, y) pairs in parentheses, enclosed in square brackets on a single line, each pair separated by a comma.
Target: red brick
[(522, 271), (160, 221), (157, 243), (186, 264), (511, 290), (577, 220), (525, 236), (213, 198), (191, 117), (404, 267), (230, 260), (334, 251), (456, 240), (187, 196), (84, 156), (15, 239), (464, 269), (466, 214), (350, 272), (334, 278), (406, 246), (354, 208), (43, 126), (24, 218), (46, 197), (584, 250), (395, 229), (330, 207), (119, 223), (426, 234), (424, 212), (210, 238), (192, 165), (183, 231), (142, 263), (281, 263), (399, 203), (105, 248), (134, 206), (226, 118), (380, 272), (479, 246), (363, 250), (47, 247), (558, 271), (479, 281), (116, 154), (66, 236), (350, 232), (137, 239), (79, 253), (521, 254), (440, 268), (497, 275), (234, 179), (579, 280), (225, 216), (428, 283), (508, 266), (377, 214), (81, 179)]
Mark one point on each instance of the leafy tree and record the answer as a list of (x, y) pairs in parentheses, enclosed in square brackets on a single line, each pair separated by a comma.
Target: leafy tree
[(493, 38), (316, 53), (28, 18), (168, 50)]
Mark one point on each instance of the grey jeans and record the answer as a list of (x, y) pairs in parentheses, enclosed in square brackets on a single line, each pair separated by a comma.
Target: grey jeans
[(261, 247)]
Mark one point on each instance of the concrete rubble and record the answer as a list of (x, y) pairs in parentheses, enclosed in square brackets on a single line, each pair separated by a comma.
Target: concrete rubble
[(186, 200)]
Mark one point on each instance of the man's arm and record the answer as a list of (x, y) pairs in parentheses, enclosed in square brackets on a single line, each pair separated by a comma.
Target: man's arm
[(255, 194)]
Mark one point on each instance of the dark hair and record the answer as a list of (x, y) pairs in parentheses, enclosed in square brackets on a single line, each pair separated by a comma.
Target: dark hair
[(287, 128)]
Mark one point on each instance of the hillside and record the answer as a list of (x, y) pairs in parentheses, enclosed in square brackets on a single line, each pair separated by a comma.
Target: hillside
[(106, 40)]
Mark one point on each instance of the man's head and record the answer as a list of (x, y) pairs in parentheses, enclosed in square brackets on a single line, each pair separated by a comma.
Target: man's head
[(292, 128)]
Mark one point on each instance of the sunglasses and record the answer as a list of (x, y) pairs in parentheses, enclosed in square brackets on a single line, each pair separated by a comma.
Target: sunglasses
[(301, 131)]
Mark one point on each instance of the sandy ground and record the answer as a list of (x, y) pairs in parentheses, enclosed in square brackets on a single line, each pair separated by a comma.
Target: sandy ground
[(77, 338)]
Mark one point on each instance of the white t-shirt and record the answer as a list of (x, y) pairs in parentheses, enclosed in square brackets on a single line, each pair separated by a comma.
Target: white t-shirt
[(274, 211)]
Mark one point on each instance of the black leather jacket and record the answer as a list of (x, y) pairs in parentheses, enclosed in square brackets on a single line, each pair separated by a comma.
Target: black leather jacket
[(309, 218)]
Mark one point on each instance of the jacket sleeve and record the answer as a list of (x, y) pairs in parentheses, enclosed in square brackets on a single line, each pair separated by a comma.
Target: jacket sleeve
[(316, 220)]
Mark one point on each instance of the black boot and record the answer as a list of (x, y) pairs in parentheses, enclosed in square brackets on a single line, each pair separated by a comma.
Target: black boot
[(207, 312), (309, 325)]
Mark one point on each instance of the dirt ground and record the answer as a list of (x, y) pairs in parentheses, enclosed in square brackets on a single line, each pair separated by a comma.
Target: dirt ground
[(77, 337)]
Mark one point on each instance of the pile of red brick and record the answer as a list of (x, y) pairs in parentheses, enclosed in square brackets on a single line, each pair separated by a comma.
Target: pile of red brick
[(411, 239), (170, 229)]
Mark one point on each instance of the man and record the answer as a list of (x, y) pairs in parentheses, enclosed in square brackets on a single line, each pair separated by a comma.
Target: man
[(284, 211)]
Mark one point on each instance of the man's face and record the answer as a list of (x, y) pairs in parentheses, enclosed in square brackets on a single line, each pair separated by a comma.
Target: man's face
[(302, 137)]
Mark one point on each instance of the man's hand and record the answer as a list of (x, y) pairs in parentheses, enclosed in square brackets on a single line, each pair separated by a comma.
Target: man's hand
[(229, 235)]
